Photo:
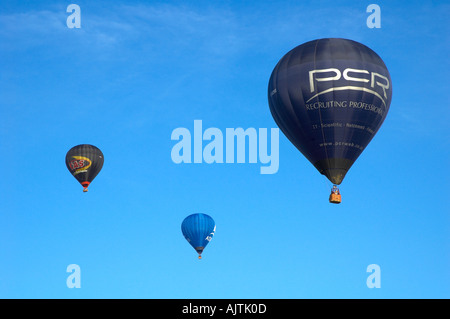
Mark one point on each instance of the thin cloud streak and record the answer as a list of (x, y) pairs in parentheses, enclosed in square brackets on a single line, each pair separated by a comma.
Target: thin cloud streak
[(220, 32)]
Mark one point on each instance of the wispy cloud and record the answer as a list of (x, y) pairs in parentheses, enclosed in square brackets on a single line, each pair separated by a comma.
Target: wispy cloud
[(174, 28), (140, 33), (28, 29), (173, 43)]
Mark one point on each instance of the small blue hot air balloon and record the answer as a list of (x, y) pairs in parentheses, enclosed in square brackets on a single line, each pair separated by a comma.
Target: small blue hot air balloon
[(198, 229)]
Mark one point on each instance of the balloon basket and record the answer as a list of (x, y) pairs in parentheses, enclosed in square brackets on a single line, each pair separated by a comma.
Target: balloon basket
[(335, 198)]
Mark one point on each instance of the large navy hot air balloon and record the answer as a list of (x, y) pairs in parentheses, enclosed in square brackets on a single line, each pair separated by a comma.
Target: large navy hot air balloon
[(198, 229), (84, 162), (330, 97)]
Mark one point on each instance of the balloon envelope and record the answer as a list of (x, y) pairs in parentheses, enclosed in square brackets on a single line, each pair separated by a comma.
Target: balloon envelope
[(84, 162), (330, 97), (198, 229)]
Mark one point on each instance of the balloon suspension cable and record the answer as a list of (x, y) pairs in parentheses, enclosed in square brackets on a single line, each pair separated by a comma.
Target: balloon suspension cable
[(327, 183)]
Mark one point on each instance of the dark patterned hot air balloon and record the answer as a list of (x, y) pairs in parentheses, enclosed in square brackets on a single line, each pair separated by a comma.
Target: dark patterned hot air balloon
[(330, 97), (84, 162), (198, 229)]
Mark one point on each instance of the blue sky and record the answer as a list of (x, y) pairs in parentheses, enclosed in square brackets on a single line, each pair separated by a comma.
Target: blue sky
[(137, 70)]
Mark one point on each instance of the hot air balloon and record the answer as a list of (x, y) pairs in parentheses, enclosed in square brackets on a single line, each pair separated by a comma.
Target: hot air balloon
[(198, 229), (84, 162), (330, 97)]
